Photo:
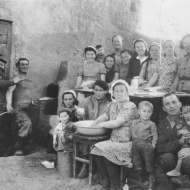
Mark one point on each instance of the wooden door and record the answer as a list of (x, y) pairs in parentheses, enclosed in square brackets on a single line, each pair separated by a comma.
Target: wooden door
[(5, 43)]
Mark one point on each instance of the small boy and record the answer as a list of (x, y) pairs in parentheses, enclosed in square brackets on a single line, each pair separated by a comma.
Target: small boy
[(144, 140), (100, 54), (183, 130), (63, 133)]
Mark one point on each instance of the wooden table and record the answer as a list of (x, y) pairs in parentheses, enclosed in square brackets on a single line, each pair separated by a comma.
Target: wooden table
[(86, 92)]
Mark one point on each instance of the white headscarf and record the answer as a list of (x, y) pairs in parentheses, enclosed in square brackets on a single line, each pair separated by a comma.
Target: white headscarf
[(119, 81), (72, 92)]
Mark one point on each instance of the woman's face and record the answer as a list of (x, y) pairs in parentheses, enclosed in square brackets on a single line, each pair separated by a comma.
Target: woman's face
[(186, 44), (169, 48), (109, 62), (90, 56), (140, 48), (117, 42), (120, 93), (125, 57), (99, 92), (154, 52), (68, 100)]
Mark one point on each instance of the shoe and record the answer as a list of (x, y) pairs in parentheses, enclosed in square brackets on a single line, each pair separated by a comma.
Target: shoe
[(83, 172), (173, 173), (19, 153)]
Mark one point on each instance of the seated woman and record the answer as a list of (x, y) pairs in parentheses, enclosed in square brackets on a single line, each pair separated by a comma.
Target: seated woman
[(116, 151), (111, 69), (140, 56), (169, 66), (70, 102), (149, 70), (94, 106)]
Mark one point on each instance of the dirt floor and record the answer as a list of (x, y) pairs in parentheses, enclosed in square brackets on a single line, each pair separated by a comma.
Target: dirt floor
[(27, 173)]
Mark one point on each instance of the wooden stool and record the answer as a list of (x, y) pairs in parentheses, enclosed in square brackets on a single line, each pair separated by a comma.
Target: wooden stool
[(89, 141)]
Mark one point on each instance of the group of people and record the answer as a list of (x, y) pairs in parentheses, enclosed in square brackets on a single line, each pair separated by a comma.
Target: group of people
[(155, 66), (16, 99), (135, 141)]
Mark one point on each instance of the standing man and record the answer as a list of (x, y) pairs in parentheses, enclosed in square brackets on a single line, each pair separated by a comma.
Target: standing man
[(19, 101), (169, 143), (117, 42), (4, 118)]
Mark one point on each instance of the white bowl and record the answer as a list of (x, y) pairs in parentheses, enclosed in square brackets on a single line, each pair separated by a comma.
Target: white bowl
[(83, 127)]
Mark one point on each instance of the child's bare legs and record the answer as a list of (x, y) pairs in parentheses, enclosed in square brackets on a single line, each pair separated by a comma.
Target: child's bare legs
[(177, 170)]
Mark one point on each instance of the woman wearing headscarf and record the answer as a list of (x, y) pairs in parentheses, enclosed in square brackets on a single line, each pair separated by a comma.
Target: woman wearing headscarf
[(70, 102), (117, 150), (149, 70), (90, 70), (136, 61), (169, 66)]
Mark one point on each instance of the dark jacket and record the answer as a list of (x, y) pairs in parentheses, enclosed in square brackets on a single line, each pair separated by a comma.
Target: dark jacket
[(168, 140), (134, 68)]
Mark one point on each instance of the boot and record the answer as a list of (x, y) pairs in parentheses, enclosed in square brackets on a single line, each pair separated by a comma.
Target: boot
[(19, 147), (113, 171), (103, 170), (83, 172), (151, 180)]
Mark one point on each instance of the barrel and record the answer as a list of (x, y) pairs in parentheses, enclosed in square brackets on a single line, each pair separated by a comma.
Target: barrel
[(65, 163)]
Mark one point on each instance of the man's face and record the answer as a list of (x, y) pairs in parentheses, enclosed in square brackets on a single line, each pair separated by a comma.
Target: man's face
[(100, 51), (117, 42), (172, 105), (23, 66)]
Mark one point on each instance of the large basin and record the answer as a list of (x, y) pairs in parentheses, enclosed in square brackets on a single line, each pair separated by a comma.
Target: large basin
[(83, 127)]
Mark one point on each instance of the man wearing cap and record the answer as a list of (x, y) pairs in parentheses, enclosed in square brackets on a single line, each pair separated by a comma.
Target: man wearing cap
[(4, 118), (19, 101), (169, 143)]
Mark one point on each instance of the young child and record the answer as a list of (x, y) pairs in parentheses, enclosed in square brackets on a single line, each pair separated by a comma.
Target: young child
[(124, 65), (63, 133), (183, 130), (144, 140), (100, 54)]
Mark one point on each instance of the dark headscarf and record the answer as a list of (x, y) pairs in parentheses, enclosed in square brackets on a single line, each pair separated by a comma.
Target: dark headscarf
[(101, 84)]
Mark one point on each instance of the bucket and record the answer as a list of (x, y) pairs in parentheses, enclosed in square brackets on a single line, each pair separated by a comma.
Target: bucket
[(65, 164)]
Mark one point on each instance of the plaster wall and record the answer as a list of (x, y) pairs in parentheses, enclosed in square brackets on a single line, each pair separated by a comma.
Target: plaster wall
[(48, 32)]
